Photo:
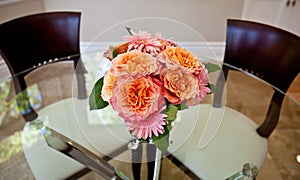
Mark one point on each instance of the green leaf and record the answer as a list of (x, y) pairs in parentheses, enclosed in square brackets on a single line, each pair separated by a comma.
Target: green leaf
[(120, 174), (36, 124), (171, 112), (113, 51), (95, 100), (162, 141), (182, 106), (211, 67), (212, 88)]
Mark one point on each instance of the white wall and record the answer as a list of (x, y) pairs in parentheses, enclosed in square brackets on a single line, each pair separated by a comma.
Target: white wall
[(208, 17), (10, 9)]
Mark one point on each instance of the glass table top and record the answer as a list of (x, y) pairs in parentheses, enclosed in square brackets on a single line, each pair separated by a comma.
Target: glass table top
[(102, 132)]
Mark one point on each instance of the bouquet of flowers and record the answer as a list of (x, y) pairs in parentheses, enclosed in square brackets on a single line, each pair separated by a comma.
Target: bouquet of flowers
[(149, 81)]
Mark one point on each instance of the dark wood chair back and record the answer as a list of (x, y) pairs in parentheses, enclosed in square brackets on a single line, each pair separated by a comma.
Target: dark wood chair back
[(267, 52), (38, 39)]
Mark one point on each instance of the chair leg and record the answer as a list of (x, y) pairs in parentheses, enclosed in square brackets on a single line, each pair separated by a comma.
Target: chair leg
[(136, 162)]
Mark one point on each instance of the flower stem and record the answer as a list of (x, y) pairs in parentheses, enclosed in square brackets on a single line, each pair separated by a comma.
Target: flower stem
[(129, 30)]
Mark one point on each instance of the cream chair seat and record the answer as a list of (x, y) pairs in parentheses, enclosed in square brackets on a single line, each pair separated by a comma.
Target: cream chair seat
[(235, 144), (64, 117)]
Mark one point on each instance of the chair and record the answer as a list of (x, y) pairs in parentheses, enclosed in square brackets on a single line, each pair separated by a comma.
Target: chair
[(267, 52), (36, 40), (255, 47)]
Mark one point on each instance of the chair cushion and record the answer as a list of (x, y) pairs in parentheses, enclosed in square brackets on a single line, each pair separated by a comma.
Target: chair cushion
[(45, 162), (64, 117), (235, 143)]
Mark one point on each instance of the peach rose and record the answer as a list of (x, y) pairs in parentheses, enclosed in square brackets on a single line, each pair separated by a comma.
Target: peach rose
[(136, 98), (174, 57), (204, 90), (134, 62), (180, 85), (139, 101), (108, 84)]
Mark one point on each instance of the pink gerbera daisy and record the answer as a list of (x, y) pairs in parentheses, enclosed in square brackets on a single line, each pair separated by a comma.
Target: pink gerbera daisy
[(154, 124), (144, 42)]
